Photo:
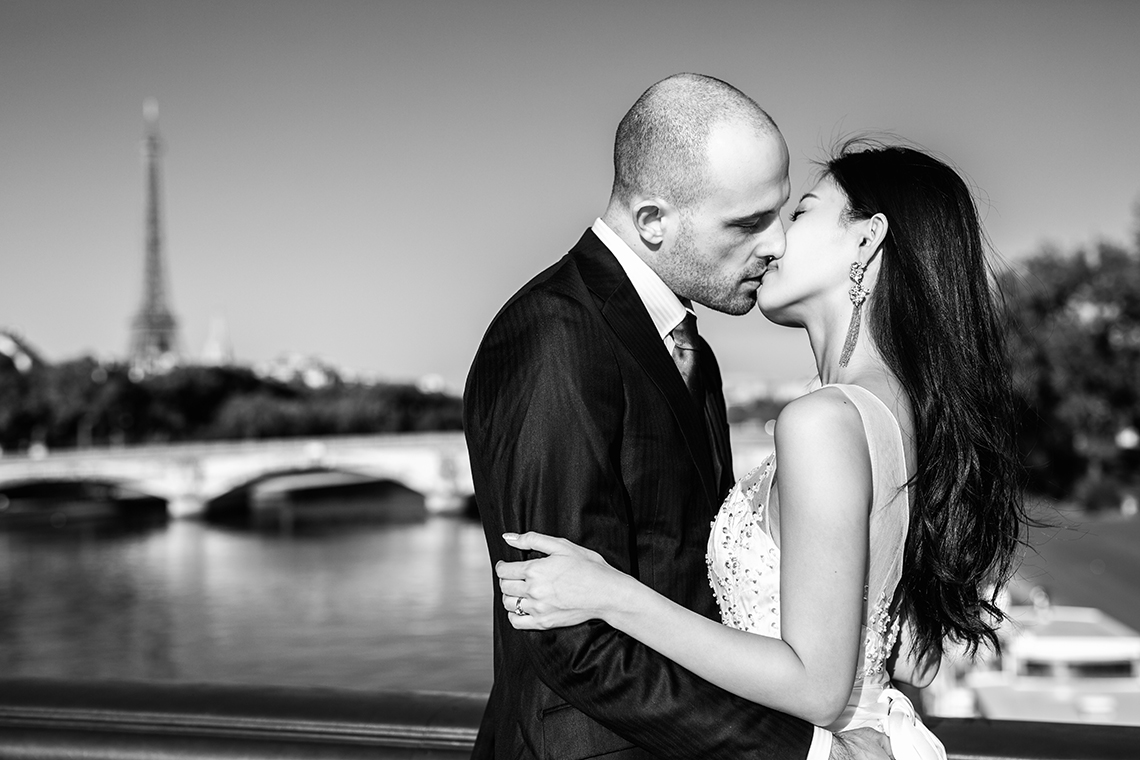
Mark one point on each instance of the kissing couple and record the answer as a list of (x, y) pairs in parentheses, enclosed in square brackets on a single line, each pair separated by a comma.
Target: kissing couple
[(596, 425)]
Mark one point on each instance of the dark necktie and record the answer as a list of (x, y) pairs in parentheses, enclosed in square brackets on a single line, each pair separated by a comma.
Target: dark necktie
[(687, 355)]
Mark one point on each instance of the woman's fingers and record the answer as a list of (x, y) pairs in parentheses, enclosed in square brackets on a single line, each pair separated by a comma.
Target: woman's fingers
[(539, 542), (521, 614), (511, 570), (513, 604), (512, 587), (525, 623), (527, 614), (518, 607)]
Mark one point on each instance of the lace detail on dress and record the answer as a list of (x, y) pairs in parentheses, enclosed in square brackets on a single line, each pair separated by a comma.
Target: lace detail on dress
[(745, 572), (882, 633)]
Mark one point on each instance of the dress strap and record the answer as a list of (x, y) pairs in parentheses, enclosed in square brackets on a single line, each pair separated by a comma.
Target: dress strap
[(889, 518)]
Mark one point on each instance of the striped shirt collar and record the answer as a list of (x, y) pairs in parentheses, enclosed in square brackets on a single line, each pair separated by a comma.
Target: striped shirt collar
[(664, 307)]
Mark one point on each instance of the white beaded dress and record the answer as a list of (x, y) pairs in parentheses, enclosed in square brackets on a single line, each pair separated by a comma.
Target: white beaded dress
[(744, 563)]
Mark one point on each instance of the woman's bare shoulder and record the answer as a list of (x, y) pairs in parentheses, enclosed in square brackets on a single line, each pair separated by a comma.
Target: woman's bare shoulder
[(822, 434), (825, 414)]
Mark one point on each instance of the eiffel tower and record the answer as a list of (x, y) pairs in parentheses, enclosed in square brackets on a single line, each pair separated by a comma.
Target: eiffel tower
[(154, 330)]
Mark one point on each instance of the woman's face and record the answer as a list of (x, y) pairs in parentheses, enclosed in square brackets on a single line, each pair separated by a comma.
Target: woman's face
[(816, 263)]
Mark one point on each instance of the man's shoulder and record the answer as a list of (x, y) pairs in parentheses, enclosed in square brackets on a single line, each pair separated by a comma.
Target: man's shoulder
[(560, 281), (579, 281), (557, 320), (551, 327)]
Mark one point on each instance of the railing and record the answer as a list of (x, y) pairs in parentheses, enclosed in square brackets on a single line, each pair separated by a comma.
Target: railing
[(95, 720)]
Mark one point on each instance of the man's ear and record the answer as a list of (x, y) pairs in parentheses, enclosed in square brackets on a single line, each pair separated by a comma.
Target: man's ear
[(653, 218)]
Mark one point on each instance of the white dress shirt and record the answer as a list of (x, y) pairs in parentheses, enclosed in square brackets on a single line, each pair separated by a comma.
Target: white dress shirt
[(666, 310), (664, 307)]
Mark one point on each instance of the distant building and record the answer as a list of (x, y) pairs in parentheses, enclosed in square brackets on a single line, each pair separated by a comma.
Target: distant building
[(431, 384), (154, 330), (218, 351), (311, 371)]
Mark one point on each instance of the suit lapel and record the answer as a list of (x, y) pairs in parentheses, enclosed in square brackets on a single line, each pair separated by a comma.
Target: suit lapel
[(626, 314)]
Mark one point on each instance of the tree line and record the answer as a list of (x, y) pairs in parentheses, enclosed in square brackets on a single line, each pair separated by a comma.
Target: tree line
[(1074, 335), (84, 402)]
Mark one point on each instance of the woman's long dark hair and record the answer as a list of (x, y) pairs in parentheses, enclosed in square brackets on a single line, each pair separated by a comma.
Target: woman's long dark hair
[(934, 315)]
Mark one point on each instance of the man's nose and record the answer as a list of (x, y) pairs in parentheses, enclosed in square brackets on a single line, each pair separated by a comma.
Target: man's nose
[(774, 242)]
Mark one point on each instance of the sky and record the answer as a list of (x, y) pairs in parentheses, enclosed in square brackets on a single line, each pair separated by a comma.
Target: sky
[(368, 182)]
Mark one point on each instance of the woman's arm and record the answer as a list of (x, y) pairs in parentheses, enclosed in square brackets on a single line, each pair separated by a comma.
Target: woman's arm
[(824, 485)]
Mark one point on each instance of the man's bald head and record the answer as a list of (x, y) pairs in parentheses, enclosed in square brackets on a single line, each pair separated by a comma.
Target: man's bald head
[(661, 144)]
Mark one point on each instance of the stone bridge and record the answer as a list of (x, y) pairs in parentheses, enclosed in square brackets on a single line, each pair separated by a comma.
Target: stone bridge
[(190, 475)]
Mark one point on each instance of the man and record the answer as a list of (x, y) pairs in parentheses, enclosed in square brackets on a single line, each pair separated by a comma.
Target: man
[(594, 411)]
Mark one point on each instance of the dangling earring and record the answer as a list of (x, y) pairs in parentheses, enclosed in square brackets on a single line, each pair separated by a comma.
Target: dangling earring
[(858, 295)]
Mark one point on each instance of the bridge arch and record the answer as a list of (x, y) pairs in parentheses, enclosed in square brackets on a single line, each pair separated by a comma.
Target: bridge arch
[(317, 494), (60, 500)]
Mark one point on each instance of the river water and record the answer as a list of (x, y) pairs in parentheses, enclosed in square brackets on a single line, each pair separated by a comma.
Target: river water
[(388, 606), (377, 607)]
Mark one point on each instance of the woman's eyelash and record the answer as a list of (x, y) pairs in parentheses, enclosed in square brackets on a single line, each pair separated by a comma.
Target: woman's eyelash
[(794, 215)]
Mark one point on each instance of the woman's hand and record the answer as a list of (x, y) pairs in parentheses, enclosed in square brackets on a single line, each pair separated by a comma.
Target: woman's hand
[(569, 586)]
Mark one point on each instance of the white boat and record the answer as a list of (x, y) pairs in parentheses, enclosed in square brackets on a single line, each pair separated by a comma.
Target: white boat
[(1058, 664)]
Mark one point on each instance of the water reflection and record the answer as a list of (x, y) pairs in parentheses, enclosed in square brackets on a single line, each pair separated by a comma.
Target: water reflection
[(390, 606), (378, 605)]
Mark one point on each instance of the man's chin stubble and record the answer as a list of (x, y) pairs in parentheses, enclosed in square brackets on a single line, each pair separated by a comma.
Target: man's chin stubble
[(733, 308)]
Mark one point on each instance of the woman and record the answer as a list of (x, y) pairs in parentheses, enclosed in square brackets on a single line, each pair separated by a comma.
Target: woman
[(897, 501)]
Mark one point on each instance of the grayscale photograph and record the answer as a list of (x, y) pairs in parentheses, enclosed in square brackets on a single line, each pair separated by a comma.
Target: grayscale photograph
[(503, 380)]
